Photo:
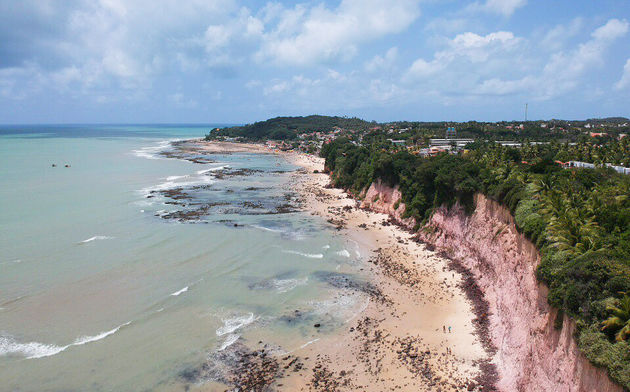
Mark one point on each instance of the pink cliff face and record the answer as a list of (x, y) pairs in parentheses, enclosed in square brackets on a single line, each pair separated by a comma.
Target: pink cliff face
[(384, 199), (531, 354)]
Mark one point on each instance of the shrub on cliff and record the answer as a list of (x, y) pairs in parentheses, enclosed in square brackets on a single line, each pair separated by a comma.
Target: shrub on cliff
[(529, 220), (603, 353), (619, 320), (579, 219)]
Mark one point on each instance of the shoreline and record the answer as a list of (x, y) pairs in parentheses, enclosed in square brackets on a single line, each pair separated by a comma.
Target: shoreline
[(420, 329), (398, 344)]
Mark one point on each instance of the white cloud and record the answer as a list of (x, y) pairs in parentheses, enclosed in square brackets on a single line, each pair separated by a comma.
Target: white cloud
[(477, 47), (500, 63), (244, 27), (613, 29), (556, 38), (498, 86), (113, 51), (305, 36), (297, 85), (382, 63), (331, 91), (113, 43), (422, 68), (181, 101), (504, 7), (501, 7), (565, 69), (464, 49), (447, 26), (625, 77)]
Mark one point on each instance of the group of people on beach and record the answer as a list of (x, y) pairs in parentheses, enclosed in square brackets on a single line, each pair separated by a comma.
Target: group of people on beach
[(448, 349)]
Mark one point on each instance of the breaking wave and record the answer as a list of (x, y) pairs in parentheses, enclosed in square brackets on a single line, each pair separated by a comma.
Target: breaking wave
[(96, 238), (34, 350), (309, 255), (178, 292), (152, 152), (200, 172), (232, 324), (230, 340)]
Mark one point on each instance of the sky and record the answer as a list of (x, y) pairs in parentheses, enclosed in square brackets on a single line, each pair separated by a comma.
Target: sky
[(239, 61)]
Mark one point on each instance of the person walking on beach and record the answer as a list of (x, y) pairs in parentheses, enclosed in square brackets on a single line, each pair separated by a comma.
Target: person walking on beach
[(449, 329), (444, 328)]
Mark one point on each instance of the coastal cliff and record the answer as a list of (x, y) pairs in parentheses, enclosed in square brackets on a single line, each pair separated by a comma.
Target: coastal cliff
[(534, 350), (387, 200)]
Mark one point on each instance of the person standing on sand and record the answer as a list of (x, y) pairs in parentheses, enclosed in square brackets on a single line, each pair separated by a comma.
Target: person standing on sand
[(444, 328), (449, 329)]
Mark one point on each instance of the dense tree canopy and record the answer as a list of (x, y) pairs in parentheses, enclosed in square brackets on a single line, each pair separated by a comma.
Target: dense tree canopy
[(288, 128), (579, 219)]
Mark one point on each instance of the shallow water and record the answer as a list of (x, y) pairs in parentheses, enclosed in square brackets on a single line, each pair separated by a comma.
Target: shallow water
[(104, 288)]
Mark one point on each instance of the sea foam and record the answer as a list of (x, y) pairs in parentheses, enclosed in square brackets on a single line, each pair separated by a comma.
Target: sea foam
[(89, 339), (309, 255), (232, 324), (34, 350), (230, 340), (178, 292), (16, 261), (172, 183), (200, 172), (96, 238), (284, 285), (152, 152)]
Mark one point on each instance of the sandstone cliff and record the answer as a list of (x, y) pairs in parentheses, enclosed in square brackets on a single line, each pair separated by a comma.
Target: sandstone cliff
[(531, 354), (385, 199)]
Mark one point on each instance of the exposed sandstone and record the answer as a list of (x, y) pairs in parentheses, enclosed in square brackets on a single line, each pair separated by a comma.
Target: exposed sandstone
[(384, 199), (531, 355)]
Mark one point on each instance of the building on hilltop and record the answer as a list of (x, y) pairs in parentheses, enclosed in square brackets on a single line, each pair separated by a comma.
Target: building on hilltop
[(397, 142), (448, 143)]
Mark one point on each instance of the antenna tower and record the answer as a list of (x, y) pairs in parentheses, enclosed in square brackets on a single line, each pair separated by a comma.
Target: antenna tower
[(526, 112)]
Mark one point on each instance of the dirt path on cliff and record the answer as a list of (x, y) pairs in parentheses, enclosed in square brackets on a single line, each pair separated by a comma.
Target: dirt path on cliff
[(399, 341)]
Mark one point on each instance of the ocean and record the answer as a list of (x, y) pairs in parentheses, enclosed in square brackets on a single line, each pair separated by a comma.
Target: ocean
[(137, 267)]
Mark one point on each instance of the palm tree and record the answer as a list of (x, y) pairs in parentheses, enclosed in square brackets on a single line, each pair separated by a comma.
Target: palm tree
[(620, 319)]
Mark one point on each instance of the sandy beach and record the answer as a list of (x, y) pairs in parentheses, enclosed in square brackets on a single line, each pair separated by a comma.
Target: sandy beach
[(416, 332), (402, 340)]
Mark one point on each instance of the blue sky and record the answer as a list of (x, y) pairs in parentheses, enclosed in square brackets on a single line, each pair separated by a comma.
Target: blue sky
[(238, 61)]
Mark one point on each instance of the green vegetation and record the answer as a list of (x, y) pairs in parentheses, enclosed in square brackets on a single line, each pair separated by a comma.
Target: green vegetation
[(619, 322), (579, 220), (288, 128), (424, 183)]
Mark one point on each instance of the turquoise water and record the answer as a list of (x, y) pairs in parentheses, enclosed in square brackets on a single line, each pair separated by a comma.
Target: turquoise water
[(100, 291)]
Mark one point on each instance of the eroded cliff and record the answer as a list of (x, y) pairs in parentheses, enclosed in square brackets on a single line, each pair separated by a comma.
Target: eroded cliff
[(531, 353)]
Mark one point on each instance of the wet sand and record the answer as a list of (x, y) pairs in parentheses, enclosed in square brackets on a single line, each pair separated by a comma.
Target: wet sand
[(398, 343), (401, 341)]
